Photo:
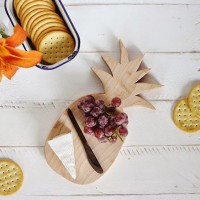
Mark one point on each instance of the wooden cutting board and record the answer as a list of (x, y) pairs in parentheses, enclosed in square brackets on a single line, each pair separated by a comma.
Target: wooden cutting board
[(105, 152), (123, 83)]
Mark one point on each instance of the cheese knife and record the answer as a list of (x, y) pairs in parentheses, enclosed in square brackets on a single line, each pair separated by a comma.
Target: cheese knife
[(90, 155)]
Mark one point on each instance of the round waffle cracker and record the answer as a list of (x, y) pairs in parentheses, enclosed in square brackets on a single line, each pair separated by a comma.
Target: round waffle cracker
[(48, 30), (194, 99), (45, 26), (11, 177), (184, 118), (41, 23), (31, 16), (38, 23), (18, 6), (15, 3), (56, 46), (44, 15), (40, 4)]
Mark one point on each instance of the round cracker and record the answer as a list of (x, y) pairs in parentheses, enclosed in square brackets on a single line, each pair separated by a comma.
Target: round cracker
[(28, 16), (11, 177), (41, 20), (48, 30), (45, 26), (31, 3), (32, 19), (56, 46), (40, 4), (15, 3), (184, 118), (194, 99), (18, 6)]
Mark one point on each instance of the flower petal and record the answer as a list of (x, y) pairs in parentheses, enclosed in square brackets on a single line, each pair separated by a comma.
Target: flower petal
[(2, 41), (0, 76), (21, 58), (17, 38), (10, 71), (3, 52)]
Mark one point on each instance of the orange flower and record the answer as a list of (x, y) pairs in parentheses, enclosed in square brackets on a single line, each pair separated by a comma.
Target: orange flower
[(12, 58)]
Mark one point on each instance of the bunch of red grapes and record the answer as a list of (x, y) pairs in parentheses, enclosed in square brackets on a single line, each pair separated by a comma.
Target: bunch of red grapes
[(104, 122)]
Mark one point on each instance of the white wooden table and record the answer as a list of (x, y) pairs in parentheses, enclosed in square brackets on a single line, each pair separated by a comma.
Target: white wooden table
[(157, 161)]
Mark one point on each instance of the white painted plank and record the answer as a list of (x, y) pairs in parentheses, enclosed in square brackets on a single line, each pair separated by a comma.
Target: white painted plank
[(28, 124), (152, 28), (177, 72), (130, 2), (135, 172), (110, 197)]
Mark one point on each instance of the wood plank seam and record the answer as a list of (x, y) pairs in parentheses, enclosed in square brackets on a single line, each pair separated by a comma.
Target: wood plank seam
[(156, 150), (134, 150)]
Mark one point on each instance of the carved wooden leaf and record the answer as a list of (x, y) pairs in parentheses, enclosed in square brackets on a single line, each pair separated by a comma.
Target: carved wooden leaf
[(122, 82)]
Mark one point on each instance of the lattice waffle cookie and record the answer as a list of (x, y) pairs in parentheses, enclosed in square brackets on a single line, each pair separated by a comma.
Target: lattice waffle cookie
[(56, 46), (194, 99), (11, 177), (186, 113), (46, 29), (184, 118)]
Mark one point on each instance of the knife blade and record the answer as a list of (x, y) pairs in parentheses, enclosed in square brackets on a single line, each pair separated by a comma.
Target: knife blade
[(90, 154)]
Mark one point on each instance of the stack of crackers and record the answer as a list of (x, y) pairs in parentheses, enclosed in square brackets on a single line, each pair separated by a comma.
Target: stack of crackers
[(186, 114), (46, 29)]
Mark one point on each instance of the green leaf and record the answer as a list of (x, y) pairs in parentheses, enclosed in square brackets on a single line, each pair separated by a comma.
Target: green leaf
[(4, 35)]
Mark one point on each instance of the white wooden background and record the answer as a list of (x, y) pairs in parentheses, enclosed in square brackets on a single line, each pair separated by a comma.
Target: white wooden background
[(158, 161)]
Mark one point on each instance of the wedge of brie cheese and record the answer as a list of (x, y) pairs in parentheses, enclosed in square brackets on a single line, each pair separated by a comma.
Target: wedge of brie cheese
[(63, 147)]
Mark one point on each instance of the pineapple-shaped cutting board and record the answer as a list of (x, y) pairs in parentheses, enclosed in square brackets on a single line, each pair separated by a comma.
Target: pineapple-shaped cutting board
[(121, 82)]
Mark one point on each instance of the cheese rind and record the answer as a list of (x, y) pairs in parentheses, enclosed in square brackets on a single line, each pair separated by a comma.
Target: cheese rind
[(63, 147)]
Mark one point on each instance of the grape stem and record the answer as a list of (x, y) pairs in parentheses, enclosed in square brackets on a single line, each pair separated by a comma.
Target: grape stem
[(117, 133)]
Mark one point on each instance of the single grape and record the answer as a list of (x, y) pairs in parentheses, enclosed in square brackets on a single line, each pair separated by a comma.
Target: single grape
[(123, 131), (102, 140), (120, 119), (109, 130), (87, 107), (102, 120), (125, 123), (125, 115), (89, 98), (116, 102), (112, 120), (98, 133), (96, 111), (88, 130), (100, 103), (90, 121)]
